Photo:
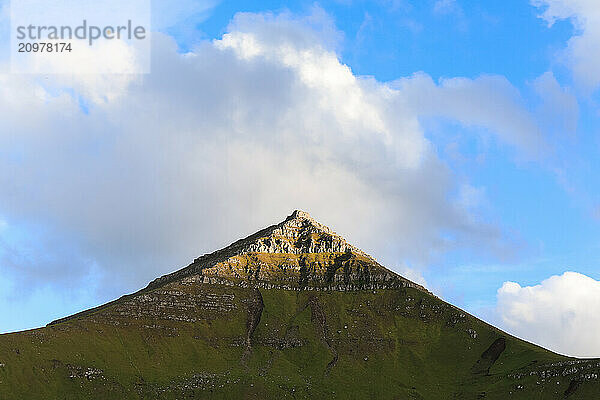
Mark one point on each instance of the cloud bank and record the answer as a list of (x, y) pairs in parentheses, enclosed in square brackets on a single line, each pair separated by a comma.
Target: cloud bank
[(140, 174), (561, 313)]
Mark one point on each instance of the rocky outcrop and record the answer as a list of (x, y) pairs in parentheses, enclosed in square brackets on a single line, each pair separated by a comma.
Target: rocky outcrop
[(298, 234), (255, 309), (298, 253), (319, 319)]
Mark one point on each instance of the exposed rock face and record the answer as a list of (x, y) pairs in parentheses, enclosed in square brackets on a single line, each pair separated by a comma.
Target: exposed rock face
[(298, 234), (298, 253)]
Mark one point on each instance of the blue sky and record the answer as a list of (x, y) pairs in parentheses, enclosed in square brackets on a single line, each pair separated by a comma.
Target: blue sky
[(394, 39), (496, 101)]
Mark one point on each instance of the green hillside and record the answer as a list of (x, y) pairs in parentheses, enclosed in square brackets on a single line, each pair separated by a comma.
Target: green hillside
[(317, 324)]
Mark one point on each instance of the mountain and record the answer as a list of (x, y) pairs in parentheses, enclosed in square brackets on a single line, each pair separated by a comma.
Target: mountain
[(292, 311)]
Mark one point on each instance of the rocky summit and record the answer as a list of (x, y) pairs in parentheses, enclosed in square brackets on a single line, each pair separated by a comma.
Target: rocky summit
[(296, 254), (292, 311)]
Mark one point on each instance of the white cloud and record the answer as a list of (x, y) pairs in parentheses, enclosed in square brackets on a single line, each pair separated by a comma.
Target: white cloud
[(561, 313), (81, 73), (218, 142), (489, 101), (581, 54)]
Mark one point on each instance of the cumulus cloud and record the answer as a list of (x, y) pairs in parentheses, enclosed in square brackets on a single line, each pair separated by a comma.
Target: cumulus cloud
[(222, 140), (561, 313), (582, 49)]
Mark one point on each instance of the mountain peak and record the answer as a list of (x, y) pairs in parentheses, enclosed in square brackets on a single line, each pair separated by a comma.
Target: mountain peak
[(299, 214), (297, 234), (297, 253)]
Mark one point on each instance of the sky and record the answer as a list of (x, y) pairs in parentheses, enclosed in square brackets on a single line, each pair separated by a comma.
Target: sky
[(454, 141)]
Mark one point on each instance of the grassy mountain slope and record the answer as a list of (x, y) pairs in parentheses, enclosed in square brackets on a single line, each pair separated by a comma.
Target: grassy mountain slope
[(311, 323)]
